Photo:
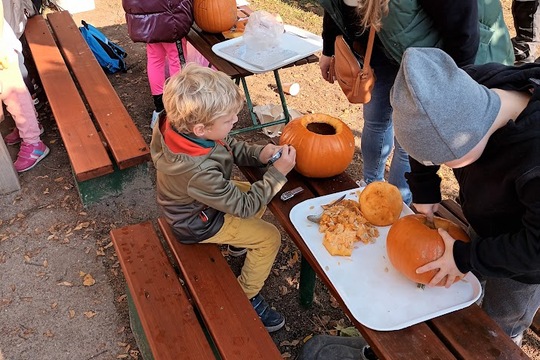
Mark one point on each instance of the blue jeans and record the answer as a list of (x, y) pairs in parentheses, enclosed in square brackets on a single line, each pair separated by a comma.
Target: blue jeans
[(378, 134)]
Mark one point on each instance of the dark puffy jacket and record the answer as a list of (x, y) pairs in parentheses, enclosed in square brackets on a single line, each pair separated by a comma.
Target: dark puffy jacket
[(152, 21)]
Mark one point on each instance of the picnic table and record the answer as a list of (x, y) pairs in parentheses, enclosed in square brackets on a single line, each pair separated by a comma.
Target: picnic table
[(203, 42), (468, 333)]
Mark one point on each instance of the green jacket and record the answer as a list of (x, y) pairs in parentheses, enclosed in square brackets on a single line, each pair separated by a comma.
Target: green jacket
[(194, 183), (472, 32), (408, 24)]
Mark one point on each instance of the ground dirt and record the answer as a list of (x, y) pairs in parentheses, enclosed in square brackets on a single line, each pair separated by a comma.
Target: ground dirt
[(51, 247)]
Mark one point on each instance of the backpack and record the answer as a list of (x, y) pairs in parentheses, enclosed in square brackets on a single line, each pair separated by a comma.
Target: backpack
[(108, 54)]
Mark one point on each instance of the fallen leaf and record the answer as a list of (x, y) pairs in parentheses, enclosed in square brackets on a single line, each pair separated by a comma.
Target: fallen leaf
[(82, 225), (88, 280), (121, 298), (71, 313), (65, 283), (48, 333), (90, 314), (54, 305)]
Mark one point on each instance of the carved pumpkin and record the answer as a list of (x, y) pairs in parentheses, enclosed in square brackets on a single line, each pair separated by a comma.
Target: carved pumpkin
[(381, 203), (411, 243), (324, 144), (214, 16)]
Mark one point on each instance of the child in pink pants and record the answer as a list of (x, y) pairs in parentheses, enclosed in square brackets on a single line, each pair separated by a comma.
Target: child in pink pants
[(15, 95)]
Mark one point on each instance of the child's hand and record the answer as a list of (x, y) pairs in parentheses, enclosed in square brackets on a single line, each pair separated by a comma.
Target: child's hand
[(445, 264), (287, 160), (267, 152)]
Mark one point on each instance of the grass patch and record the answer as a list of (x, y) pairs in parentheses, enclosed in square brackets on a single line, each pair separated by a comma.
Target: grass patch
[(306, 14)]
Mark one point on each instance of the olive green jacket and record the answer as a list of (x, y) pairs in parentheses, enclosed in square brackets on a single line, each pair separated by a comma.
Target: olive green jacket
[(195, 191)]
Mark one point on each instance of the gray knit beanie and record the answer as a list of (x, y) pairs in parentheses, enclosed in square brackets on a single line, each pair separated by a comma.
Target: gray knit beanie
[(440, 113)]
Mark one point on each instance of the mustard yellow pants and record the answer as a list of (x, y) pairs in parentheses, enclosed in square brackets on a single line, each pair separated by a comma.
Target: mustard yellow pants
[(262, 240)]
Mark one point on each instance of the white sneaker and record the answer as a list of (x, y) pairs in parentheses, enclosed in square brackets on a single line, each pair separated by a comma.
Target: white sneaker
[(155, 117)]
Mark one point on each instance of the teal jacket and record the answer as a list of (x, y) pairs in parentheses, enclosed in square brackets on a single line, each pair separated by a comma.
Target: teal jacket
[(472, 32), (409, 23)]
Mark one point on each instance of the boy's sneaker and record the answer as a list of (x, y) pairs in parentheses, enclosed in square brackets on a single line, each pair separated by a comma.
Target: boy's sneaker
[(236, 251), (29, 155), (272, 320), (13, 137), (155, 117)]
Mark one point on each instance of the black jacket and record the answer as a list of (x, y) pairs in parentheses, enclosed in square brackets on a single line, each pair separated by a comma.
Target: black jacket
[(500, 192)]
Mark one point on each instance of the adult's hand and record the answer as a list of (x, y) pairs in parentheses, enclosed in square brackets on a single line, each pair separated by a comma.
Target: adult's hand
[(324, 65), (427, 209)]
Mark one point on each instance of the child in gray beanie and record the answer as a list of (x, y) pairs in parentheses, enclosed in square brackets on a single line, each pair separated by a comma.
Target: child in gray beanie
[(484, 122)]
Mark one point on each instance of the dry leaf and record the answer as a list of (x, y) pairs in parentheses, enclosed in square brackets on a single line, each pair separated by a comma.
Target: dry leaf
[(48, 333), (90, 314), (82, 225), (71, 313), (65, 283), (88, 280), (46, 191), (54, 305), (121, 298)]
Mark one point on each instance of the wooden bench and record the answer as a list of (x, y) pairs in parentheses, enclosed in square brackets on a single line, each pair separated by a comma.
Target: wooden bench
[(203, 42), (105, 148), (464, 334), (190, 307)]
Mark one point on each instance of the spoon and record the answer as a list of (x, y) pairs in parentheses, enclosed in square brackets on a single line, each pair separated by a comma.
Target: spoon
[(317, 218)]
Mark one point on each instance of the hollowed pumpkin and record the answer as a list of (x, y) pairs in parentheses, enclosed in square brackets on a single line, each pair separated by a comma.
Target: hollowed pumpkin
[(411, 243), (214, 16), (324, 144)]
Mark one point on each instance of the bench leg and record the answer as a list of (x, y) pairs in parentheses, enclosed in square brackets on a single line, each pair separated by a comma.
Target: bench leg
[(307, 283), (93, 190), (137, 329)]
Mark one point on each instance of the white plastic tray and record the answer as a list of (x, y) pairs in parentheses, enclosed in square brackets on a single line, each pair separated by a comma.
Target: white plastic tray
[(295, 44), (376, 294)]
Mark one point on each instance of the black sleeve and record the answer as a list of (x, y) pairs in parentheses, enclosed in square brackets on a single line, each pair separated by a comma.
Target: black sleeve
[(329, 33), (424, 182), (457, 22)]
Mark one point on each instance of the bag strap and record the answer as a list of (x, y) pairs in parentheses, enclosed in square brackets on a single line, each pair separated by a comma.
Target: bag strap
[(369, 48)]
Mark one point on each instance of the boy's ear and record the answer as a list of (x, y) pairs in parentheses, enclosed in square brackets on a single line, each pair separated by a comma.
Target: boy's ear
[(199, 130)]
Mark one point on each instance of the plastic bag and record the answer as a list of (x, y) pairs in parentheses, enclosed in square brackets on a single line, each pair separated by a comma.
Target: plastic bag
[(263, 31)]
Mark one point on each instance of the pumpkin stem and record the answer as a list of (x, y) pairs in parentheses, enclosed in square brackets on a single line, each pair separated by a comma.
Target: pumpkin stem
[(420, 286)]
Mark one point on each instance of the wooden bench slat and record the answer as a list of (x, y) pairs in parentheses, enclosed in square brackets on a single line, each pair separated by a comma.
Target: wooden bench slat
[(126, 144), (473, 334), (168, 319), (221, 301), (86, 152)]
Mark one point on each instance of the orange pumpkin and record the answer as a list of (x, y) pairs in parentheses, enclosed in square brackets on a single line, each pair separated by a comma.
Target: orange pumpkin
[(214, 16), (324, 144), (412, 243)]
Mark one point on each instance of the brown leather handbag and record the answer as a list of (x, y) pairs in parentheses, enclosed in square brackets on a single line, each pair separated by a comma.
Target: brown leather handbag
[(354, 75)]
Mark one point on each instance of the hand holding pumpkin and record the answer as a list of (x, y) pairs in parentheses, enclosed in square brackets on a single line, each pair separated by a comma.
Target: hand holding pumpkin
[(446, 266), (427, 209)]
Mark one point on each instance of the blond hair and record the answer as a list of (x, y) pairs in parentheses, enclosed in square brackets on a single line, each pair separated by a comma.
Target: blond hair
[(371, 12), (199, 95)]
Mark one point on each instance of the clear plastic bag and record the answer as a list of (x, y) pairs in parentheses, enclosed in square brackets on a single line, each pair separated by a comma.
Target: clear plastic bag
[(263, 31)]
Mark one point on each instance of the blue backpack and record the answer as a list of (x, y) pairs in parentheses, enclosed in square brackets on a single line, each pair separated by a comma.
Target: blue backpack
[(108, 54)]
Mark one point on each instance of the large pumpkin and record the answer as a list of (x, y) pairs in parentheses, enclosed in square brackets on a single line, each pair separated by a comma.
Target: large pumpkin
[(324, 144), (411, 243), (214, 16)]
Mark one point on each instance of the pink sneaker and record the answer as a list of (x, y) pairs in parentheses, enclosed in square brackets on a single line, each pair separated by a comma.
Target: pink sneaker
[(29, 155), (13, 137)]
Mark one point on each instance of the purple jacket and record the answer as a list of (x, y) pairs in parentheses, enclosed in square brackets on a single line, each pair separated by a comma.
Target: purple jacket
[(152, 21)]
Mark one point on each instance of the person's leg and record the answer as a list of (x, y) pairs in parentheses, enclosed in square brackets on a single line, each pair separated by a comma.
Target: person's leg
[(511, 304), (378, 135), (398, 167), (173, 58), (526, 18), (155, 67), (18, 101)]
